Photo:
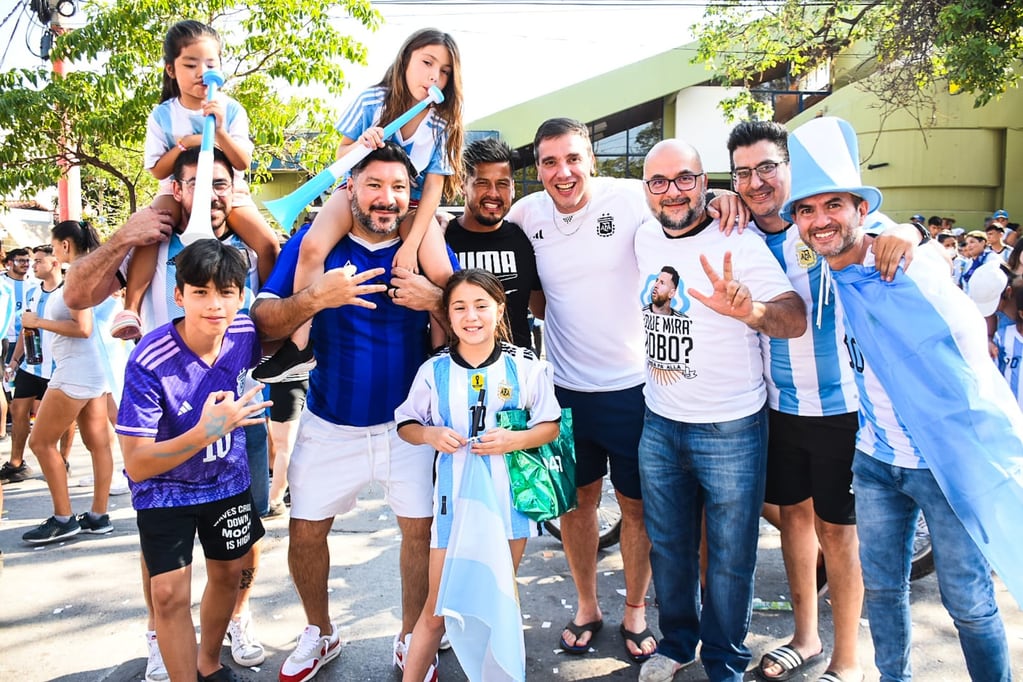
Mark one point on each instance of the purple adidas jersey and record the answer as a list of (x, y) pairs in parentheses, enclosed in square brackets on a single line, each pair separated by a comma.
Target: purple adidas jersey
[(165, 388)]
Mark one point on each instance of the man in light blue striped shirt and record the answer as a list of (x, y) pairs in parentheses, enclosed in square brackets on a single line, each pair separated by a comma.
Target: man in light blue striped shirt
[(813, 400), (919, 353)]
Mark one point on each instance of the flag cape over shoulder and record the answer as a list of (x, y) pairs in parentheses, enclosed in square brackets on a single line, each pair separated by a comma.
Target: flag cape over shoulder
[(478, 596), (980, 466)]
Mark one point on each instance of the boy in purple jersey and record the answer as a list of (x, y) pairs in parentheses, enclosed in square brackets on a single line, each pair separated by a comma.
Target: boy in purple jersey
[(181, 425)]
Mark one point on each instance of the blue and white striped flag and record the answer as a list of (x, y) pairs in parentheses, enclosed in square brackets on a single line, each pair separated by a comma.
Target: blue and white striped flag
[(478, 596), (960, 414)]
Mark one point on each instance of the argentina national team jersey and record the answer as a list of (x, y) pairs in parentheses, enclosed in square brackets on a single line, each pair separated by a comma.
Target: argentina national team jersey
[(925, 344), (809, 375), (36, 300), (21, 288), (938, 319), (158, 306), (166, 385), (445, 391), (1010, 358), (425, 147)]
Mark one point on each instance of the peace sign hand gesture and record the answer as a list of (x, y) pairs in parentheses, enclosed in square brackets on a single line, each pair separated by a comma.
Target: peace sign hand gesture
[(729, 296)]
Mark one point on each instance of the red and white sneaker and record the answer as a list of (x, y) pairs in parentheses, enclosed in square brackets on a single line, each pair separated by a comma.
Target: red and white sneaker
[(311, 654), (401, 651)]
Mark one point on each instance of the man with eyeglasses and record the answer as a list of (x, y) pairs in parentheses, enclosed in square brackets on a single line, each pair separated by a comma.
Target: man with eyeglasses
[(704, 445), (813, 422), (98, 274), (17, 276), (30, 381)]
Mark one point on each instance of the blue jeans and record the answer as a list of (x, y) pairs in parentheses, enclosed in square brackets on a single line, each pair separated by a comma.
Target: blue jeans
[(888, 499), (685, 469), (259, 467)]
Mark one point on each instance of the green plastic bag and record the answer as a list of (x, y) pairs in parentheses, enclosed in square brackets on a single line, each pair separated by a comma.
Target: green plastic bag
[(543, 478)]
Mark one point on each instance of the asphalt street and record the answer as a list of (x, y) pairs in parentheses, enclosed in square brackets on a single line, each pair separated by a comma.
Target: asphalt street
[(73, 611)]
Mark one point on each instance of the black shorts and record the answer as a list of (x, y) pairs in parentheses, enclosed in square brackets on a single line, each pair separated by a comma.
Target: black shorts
[(27, 385), (289, 399), (607, 426), (811, 457), (227, 529)]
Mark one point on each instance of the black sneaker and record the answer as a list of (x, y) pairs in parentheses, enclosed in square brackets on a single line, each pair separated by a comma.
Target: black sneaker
[(14, 474), (223, 674), (98, 526), (287, 360), (52, 530)]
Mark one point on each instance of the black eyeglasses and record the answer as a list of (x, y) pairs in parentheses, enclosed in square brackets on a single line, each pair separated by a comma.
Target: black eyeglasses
[(765, 171), (220, 187), (684, 183)]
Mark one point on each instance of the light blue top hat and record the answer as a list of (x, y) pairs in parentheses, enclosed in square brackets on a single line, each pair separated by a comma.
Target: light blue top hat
[(825, 157)]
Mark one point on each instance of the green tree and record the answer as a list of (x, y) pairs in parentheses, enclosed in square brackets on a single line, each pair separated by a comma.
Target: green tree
[(95, 116), (973, 46)]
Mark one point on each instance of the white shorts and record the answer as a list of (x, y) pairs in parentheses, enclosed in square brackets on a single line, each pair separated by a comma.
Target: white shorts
[(84, 390), (331, 464)]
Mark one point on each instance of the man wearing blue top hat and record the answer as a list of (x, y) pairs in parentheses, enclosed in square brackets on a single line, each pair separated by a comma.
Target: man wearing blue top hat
[(918, 349)]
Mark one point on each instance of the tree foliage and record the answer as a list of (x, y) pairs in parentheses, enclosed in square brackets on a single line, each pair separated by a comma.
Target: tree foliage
[(95, 115), (972, 46)]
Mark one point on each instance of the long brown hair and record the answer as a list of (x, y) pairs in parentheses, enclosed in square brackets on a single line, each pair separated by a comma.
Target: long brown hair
[(399, 99), (492, 286)]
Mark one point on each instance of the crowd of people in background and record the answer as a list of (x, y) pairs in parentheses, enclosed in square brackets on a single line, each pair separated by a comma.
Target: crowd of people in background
[(711, 345)]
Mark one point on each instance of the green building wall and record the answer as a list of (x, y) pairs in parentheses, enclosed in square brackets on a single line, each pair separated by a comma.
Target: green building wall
[(958, 162)]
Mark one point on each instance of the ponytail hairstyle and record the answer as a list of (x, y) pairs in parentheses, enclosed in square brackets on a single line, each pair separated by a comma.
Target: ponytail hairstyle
[(398, 99), (179, 36), (82, 235)]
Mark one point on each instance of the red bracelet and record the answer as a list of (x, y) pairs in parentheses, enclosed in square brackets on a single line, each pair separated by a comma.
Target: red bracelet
[(636, 606)]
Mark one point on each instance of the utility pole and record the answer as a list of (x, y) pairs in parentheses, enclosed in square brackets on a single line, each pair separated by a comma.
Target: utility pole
[(54, 14)]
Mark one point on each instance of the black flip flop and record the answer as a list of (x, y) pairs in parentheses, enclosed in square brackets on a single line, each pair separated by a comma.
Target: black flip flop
[(637, 638), (790, 661), (593, 627)]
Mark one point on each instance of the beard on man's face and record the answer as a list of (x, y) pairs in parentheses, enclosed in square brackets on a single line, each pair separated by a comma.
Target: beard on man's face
[(386, 223)]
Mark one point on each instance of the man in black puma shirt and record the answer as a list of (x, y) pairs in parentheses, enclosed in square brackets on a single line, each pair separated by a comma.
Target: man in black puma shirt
[(482, 238)]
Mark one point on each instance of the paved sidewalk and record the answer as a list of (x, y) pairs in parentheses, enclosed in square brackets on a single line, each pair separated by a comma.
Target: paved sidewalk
[(73, 611)]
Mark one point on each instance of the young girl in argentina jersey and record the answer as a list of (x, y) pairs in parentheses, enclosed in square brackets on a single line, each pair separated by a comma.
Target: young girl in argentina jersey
[(477, 376), (189, 49), (433, 142)]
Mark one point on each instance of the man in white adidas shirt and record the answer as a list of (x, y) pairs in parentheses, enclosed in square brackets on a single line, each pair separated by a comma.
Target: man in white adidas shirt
[(582, 230)]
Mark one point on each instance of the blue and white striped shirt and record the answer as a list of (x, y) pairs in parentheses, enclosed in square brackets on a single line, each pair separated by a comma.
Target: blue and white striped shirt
[(425, 148), (809, 375)]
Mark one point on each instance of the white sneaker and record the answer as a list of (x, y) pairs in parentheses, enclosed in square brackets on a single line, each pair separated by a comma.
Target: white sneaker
[(660, 668), (119, 484), (401, 648), (156, 671), (245, 647), (312, 653)]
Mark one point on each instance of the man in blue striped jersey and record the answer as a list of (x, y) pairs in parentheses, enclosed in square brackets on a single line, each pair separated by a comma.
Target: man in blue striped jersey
[(919, 353), (812, 397), (31, 380)]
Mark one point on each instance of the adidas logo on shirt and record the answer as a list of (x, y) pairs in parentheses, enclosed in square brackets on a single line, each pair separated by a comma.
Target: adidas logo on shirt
[(185, 407)]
